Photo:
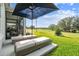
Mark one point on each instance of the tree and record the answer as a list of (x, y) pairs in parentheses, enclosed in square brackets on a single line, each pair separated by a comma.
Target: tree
[(52, 26), (76, 23), (68, 24), (32, 27), (65, 24)]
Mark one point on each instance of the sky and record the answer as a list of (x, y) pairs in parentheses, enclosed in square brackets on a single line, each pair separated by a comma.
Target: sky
[(65, 10)]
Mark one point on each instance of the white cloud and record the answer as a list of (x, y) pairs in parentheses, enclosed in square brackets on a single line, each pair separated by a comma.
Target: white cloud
[(73, 8), (59, 15), (64, 13), (71, 4), (69, 13)]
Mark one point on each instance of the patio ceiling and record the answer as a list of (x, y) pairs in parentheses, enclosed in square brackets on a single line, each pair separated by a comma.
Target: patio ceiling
[(33, 10)]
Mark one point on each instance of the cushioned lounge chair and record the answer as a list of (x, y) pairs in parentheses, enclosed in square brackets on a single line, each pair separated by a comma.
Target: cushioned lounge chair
[(27, 46)]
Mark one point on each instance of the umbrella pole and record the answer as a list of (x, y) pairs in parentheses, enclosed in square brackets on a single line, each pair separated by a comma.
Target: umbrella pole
[(32, 22), (36, 25), (24, 26)]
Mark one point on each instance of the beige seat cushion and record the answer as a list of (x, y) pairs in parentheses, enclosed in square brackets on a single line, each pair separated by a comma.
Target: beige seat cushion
[(24, 44), (19, 38), (41, 40)]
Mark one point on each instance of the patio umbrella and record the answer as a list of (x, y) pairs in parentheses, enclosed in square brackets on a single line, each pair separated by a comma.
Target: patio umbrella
[(33, 10)]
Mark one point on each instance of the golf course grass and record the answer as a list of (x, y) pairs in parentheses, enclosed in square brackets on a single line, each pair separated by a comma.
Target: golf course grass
[(68, 44)]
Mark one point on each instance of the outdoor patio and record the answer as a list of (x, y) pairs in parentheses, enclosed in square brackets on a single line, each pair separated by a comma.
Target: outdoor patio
[(8, 49), (28, 45)]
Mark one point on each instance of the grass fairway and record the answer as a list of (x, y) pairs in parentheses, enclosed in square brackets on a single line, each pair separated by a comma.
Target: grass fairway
[(67, 45)]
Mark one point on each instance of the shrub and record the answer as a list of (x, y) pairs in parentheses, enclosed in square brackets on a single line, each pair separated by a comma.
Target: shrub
[(73, 31), (28, 33), (58, 32)]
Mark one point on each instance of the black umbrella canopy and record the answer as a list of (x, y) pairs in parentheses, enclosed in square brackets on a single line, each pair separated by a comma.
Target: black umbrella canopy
[(33, 10)]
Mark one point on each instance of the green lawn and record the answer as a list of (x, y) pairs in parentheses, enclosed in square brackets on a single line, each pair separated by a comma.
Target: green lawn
[(67, 45)]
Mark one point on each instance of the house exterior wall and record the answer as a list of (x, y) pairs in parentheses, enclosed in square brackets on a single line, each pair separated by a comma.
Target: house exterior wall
[(4, 16), (2, 24)]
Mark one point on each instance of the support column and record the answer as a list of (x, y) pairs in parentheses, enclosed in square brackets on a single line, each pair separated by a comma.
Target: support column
[(24, 25), (2, 25)]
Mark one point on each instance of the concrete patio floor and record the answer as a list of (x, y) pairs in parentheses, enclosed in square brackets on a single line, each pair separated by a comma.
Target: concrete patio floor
[(7, 49)]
